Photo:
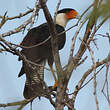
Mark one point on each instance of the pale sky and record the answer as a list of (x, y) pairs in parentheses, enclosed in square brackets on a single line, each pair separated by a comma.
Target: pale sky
[(11, 87)]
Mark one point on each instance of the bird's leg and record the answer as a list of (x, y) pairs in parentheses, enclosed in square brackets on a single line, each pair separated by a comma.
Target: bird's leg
[(53, 73)]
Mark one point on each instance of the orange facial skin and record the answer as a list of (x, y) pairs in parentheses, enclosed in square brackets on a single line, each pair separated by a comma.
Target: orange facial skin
[(71, 15)]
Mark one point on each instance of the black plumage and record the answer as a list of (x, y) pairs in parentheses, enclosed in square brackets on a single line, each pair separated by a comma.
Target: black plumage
[(65, 10), (39, 55)]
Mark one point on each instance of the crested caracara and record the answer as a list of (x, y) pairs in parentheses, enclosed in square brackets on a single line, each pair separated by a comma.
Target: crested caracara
[(43, 52)]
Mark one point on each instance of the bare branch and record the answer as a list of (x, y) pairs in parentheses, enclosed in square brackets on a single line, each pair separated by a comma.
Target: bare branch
[(58, 5), (73, 61), (19, 28), (21, 103), (92, 77), (35, 13), (52, 30), (53, 39), (80, 83), (18, 16), (106, 84), (3, 20), (75, 36)]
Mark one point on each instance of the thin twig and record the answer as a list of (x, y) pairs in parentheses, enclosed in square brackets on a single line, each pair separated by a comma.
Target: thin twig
[(34, 14), (106, 84), (2, 50), (79, 28), (85, 75), (92, 77), (15, 103), (93, 61), (18, 53), (18, 16), (55, 14), (95, 82), (69, 106), (75, 36), (19, 28), (3, 19)]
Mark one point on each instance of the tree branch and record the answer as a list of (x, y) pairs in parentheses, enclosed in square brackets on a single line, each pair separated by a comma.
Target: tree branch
[(80, 83), (53, 35), (73, 61), (19, 28)]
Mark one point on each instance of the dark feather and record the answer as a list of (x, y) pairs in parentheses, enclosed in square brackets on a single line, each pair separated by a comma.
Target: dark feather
[(34, 80), (38, 55), (65, 10)]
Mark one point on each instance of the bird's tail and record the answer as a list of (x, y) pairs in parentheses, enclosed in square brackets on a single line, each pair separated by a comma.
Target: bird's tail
[(34, 86)]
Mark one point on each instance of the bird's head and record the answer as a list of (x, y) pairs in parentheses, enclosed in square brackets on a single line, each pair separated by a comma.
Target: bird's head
[(66, 14)]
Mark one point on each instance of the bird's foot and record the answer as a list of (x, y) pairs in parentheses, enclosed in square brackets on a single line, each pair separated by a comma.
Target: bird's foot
[(55, 84)]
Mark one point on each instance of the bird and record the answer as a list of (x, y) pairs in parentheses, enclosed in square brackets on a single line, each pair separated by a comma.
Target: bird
[(39, 52)]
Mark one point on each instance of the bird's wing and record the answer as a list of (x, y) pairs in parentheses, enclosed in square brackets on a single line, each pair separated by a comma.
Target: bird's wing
[(34, 37), (37, 55)]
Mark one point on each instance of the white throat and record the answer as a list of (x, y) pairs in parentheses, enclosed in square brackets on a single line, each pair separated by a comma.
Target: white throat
[(61, 19)]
